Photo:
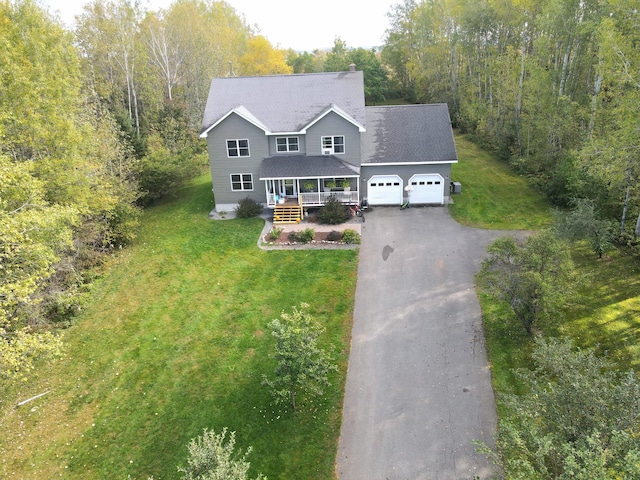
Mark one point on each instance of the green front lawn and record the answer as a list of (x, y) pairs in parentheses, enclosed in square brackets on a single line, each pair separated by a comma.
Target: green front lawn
[(175, 341)]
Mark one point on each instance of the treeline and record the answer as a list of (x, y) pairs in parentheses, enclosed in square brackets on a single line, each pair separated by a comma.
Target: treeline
[(552, 85), (95, 124)]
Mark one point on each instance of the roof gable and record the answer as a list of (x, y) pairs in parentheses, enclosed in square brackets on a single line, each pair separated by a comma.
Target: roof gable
[(286, 103), (242, 113), (408, 134), (337, 110)]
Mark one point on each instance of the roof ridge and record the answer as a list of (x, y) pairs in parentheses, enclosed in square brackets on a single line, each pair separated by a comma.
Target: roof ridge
[(303, 74)]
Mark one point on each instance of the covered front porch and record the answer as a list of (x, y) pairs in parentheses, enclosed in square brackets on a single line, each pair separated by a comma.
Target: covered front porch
[(308, 181), (312, 192)]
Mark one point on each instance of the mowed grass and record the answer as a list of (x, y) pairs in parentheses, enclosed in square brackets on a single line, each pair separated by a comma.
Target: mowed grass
[(603, 312), (175, 340), (602, 309), (492, 195)]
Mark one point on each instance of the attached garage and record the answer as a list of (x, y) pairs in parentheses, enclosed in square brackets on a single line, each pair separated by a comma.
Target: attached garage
[(384, 190), (407, 153), (426, 189)]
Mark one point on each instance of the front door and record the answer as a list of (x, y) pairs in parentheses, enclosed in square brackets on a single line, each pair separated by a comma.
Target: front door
[(287, 187)]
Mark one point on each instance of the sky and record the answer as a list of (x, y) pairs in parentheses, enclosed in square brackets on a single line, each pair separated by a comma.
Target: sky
[(290, 23)]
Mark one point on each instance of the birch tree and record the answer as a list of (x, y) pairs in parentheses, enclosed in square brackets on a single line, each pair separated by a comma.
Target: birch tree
[(108, 34), (613, 152), (165, 51)]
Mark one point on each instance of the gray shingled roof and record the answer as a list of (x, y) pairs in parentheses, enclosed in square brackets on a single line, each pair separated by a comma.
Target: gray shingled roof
[(408, 134), (286, 103), (303, 166)]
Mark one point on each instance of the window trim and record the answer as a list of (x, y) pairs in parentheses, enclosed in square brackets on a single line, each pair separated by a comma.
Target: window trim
[(241, 181), (237, 147), (333, 145), (288, 145)]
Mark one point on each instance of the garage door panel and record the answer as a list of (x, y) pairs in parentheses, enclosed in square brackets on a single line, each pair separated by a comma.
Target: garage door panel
[(385, 190), (426, 188)]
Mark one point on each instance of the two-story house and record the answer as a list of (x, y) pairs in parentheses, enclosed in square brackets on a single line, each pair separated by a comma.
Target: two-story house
[(303, 138)]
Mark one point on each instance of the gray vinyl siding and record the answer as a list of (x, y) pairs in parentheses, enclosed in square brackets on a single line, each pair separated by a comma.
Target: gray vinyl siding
[(331, 125), (405, 172), (235, 127), (301, 144)]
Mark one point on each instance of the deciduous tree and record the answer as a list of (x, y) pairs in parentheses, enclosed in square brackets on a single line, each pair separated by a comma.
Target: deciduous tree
[(578, 418), (261, 58), (582, 223), (213, 457), (302, 365), (532, 279)]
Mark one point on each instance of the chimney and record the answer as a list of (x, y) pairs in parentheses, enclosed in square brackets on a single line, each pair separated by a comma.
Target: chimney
[(352, 67)]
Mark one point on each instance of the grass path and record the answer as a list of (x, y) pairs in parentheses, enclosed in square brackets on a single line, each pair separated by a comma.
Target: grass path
[(492, 196)]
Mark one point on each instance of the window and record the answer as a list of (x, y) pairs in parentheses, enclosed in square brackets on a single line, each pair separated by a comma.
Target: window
[(241, 182), (332, 145), (238, 148), (287, 144)]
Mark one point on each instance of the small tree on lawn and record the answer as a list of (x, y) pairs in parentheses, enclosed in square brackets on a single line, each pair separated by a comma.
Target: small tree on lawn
[(302, 364), (210, 458), (582, 223), (532, 279)]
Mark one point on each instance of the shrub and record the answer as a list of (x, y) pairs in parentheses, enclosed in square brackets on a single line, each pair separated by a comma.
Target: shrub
[(583, 222), (302, 236), (576, 418), (306, 235), (162, 172), (274, 233), (213, 456), (248, 208), (350, 236), (533, 279), (333, 212), (334, 236)]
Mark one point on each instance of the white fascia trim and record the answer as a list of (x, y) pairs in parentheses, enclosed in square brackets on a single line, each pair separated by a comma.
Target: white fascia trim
[(284, 134), (308, 178), (242, 113), (337, 110), (390, 164)]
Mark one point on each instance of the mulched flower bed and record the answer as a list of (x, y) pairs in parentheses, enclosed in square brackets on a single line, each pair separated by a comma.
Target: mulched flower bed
[(283, 239)]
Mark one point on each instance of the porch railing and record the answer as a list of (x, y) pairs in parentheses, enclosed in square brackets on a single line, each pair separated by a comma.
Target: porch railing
[(319, 198)]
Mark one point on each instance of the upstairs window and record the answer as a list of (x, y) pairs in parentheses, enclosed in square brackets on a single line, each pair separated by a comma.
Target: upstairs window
[(333, 144), (238, 148), (287, 144)]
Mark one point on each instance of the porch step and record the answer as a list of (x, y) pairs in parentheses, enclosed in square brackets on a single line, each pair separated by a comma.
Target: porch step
[(291, 213)]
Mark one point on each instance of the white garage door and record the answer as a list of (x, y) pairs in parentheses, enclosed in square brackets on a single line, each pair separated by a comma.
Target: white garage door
[(426, 188), (385, 190)]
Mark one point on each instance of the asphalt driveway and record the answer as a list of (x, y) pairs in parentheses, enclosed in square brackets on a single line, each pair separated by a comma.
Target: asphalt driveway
[(418, 387)]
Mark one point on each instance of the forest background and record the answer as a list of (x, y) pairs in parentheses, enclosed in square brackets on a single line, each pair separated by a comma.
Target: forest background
[(99, 122)]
